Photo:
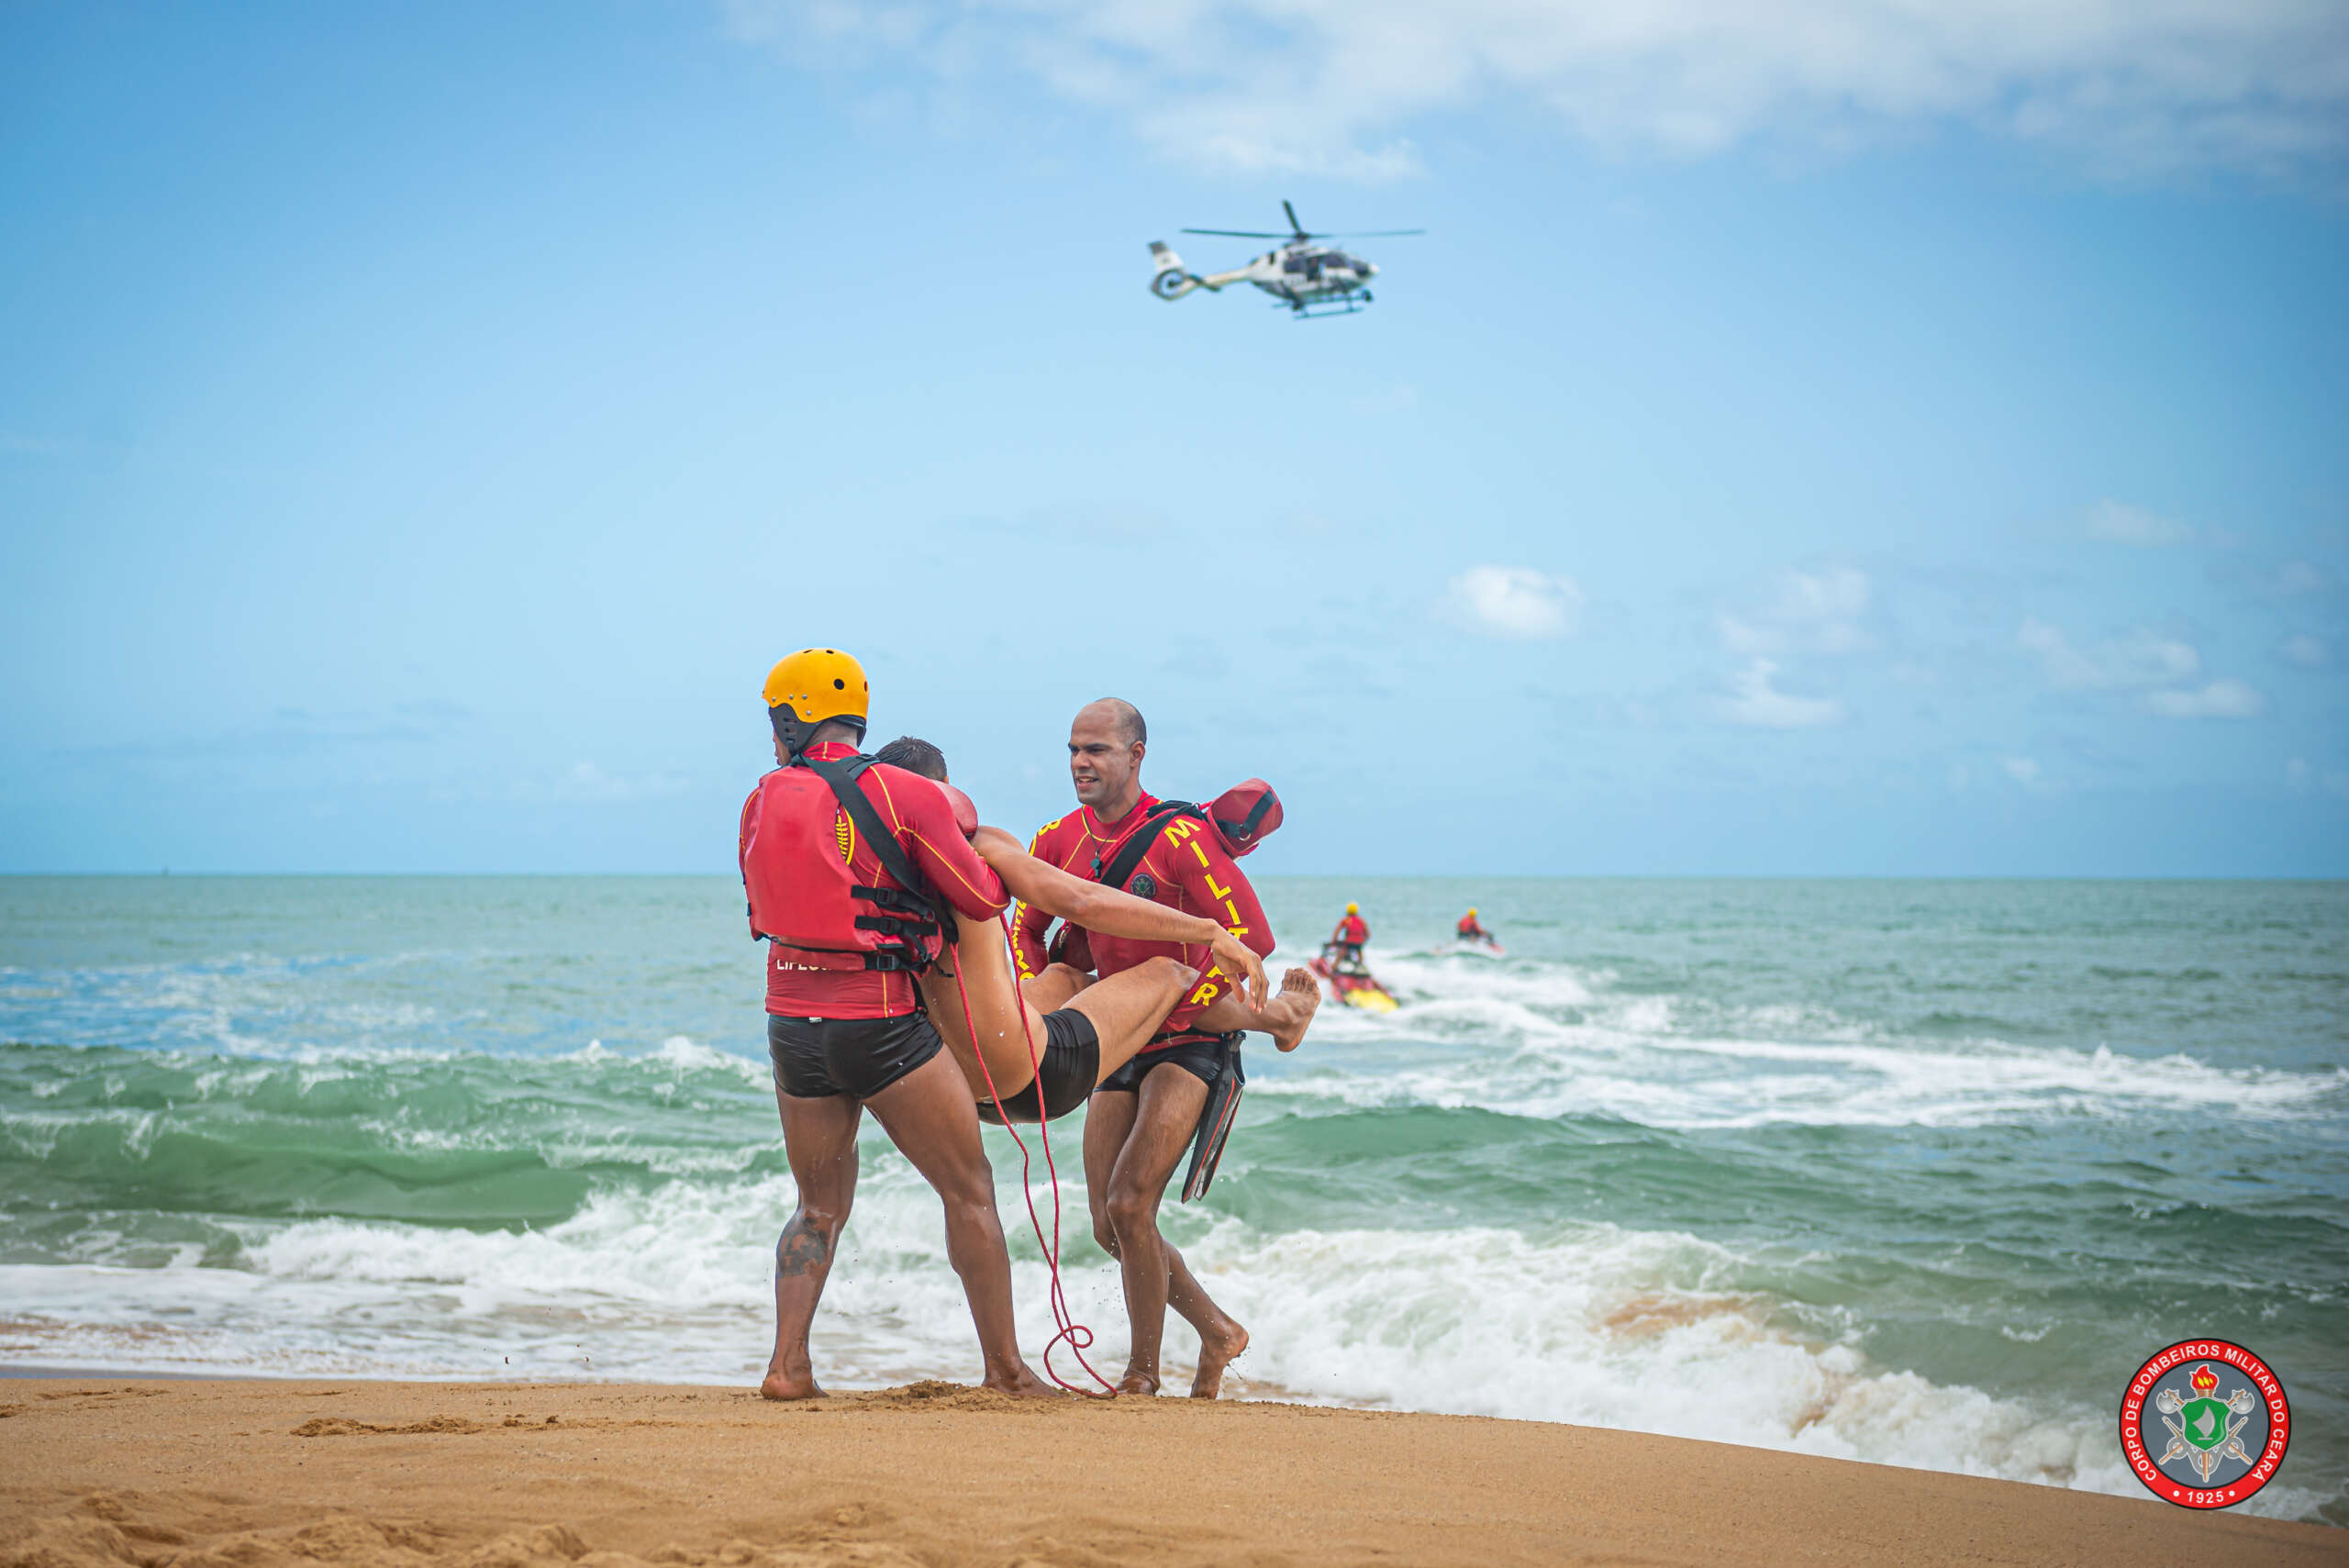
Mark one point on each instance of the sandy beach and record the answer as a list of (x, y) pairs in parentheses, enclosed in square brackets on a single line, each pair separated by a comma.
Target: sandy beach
[(115, 1473)]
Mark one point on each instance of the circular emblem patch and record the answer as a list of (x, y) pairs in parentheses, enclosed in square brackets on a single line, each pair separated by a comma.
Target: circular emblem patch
[(2205, 1424), (1144, 886)]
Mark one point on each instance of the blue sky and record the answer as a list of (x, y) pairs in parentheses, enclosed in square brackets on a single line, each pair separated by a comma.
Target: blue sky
[(1810, 439)]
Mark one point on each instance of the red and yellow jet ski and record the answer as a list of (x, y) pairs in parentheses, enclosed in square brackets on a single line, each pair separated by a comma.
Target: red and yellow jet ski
[(1350, 980)]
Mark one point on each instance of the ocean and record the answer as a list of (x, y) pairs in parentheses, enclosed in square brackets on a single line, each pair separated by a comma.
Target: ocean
[(1915, 1173)]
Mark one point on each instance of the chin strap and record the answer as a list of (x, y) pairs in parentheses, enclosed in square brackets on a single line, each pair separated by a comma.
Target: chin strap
[(1068, 1329)]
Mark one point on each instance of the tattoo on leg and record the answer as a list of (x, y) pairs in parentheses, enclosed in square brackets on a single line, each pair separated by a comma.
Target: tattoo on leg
[(801, 1249)]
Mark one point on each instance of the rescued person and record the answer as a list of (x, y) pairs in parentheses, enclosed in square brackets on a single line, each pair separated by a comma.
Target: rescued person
[(1100, 1026)]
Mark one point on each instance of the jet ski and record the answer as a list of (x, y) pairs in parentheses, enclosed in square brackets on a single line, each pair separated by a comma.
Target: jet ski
[(1478, 946), (1351, 981)]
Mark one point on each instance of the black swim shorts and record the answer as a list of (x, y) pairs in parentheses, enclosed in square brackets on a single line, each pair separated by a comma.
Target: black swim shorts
[(1070, 1061), (1201, 1055), (818, 1058)]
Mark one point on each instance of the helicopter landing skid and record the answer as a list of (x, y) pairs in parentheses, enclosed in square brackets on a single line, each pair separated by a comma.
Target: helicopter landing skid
[(1344, 305)]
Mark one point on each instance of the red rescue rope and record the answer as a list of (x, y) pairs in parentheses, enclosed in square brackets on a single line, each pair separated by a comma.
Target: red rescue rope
[(1077, 1335)]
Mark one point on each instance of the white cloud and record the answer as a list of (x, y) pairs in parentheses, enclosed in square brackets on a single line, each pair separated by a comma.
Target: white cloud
[(2120, 523), (2024, 771), (1514, 601), (2309, 653), (1335, 85), (2141, 659), (2227, 698), (1819, 613), (1758, 703)]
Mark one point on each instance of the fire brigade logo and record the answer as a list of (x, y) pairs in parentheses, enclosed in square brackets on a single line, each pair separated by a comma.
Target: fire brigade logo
[(1144, 886), (2204, 1424)]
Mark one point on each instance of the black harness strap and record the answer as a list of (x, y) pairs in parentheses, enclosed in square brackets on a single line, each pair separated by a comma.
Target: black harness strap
[(919, 911), (1121, 865)]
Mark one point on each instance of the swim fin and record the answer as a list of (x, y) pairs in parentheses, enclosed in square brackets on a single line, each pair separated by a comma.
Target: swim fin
[(1215, 1121)]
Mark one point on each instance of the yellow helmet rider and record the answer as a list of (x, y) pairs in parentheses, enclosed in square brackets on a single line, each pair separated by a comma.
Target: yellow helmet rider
[(807, 688)]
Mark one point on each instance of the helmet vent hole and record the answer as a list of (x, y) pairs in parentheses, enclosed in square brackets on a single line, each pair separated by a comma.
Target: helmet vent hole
[(838, 685)]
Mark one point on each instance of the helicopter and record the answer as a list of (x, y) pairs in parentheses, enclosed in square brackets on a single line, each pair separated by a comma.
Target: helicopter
[(1309, 278)]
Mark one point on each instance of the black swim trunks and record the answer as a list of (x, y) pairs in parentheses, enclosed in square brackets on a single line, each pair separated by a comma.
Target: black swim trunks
[(1069, 1062), (818, 1058), (1201, 1055)]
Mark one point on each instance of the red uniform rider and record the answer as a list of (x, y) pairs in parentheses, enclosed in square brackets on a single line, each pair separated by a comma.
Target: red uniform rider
[(1186, 869)]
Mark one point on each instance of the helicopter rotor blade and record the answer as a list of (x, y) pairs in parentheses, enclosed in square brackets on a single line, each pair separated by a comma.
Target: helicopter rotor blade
[(1239, 233), (1370, 234), (1292, 223)]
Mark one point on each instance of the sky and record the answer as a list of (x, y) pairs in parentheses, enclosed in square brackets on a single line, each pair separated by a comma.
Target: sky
[(1812, 437)]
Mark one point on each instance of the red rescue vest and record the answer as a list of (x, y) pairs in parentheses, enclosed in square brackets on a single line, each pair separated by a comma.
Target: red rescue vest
[(797, 856)]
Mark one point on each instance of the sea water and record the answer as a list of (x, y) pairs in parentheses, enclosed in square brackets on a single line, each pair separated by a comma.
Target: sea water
[(1909, 1171)]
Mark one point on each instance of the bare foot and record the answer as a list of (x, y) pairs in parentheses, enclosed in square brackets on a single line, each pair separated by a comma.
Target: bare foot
[(783, 1386), (1302, 993), (1226, 1347), (1025, 1384), (1139, 1383)]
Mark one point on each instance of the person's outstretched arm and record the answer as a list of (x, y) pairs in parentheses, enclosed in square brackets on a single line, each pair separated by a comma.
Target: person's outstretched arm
[(1029, 923), (924, 816), (1038, 885)]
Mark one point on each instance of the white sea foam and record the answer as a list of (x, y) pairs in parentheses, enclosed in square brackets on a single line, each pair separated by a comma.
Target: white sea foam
[(687, 1056), (1539, 1041), (1590, 1323)]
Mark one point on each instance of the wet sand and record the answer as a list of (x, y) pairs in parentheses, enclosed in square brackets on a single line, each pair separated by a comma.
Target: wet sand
[(119, 1473)]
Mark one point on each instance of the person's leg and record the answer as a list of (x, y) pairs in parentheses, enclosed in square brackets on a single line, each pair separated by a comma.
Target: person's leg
[(1127, 1009), (1284, 1017), (1050, 991), (1108, 1118), (1165, 1117), (1222, 1337), (927, 1113), (819, 1140)]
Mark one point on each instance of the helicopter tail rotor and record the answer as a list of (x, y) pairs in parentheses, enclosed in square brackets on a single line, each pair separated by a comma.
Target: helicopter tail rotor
[(1171, 282)]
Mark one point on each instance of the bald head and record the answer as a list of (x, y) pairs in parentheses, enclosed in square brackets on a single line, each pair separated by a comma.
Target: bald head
[(1105, 742), (1119, 712)]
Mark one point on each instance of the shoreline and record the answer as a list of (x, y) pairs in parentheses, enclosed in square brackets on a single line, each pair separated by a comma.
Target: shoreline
[(148, 1472)]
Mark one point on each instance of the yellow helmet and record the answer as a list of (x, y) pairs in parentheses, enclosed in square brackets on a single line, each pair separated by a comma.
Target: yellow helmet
[(811, 686), (1354, 908), (1472, 911)]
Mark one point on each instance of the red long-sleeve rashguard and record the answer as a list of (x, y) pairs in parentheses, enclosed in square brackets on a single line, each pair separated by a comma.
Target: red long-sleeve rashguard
[(1186, 869)]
